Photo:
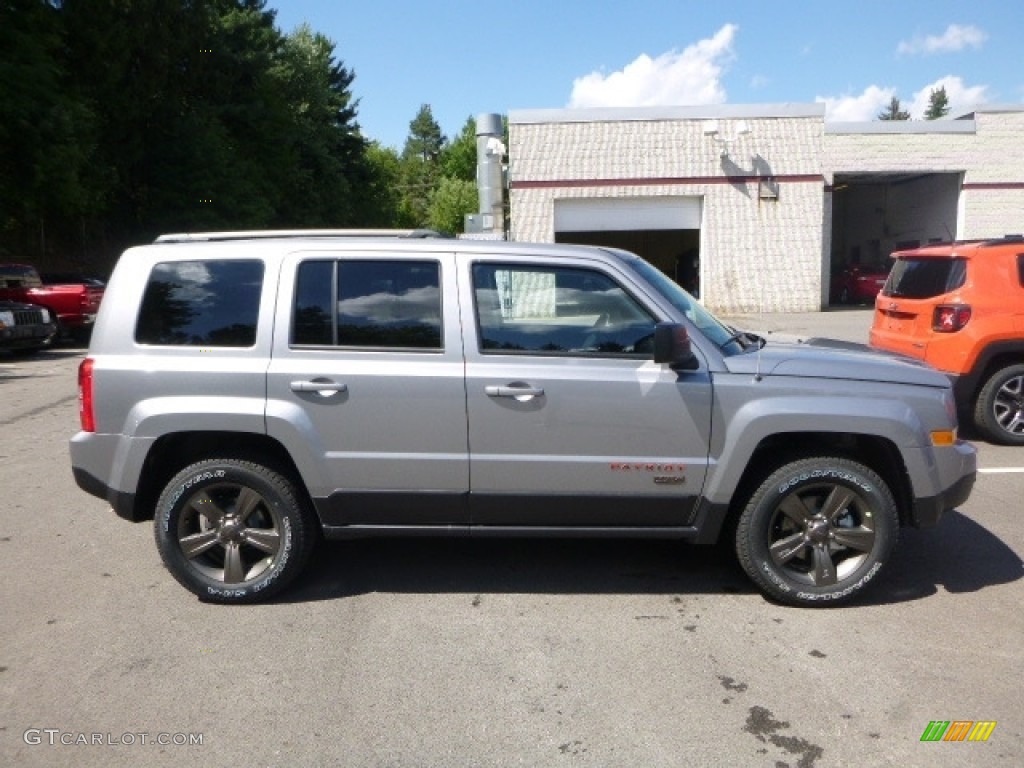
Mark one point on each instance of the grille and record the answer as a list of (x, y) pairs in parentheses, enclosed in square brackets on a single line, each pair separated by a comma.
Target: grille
[(28, 317)]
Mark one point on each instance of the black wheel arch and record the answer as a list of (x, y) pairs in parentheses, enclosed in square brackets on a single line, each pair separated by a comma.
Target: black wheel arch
[(873, 451), (173, 452)]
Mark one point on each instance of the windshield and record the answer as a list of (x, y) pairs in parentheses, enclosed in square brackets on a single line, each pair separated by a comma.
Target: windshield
[(717, 332)]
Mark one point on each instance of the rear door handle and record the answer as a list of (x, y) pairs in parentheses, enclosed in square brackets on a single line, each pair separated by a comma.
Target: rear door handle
[(521, 392), (323, 387)]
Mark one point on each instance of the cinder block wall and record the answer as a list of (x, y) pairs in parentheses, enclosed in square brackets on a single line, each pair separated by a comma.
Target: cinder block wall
[(756, 255)]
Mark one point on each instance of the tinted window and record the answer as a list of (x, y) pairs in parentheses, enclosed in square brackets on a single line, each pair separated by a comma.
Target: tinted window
[(391, 304), (312, 321), (912, 278), (201, 303), (1020, 268), (540, 310)]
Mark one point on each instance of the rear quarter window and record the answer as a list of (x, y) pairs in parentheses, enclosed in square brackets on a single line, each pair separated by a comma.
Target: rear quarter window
[(201, 303), (924, 278)]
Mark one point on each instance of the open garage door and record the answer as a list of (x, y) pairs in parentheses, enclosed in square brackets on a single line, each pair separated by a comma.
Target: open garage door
[(874, 214), (663, 230)]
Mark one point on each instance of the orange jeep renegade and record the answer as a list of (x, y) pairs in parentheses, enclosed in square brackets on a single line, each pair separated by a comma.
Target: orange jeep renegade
[(960, 307)]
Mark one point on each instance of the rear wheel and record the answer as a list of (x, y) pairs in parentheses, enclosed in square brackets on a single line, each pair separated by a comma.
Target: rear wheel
[(233, 531), (817, 531), (999, 410)]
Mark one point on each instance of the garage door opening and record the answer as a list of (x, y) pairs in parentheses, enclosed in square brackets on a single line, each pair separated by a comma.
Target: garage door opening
[(874, 214), (663, 230)]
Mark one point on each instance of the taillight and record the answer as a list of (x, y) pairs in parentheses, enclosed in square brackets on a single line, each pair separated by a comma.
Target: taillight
[(85, 404), (950, 318)]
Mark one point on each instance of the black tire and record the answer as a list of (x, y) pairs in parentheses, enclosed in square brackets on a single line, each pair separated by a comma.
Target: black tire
[(999, 409), (233, 531), (817, 531)]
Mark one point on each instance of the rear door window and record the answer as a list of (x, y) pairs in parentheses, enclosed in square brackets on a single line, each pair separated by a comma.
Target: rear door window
[(924, 278), (368, 304)]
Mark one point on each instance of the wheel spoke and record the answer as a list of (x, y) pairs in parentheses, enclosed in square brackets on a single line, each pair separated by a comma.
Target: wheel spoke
[(838, 500), (234, 570), (247, 501), (265, 539), (194, 545), (784, 550), (795, 509), (862, 539), (824, 569), (207, 507)]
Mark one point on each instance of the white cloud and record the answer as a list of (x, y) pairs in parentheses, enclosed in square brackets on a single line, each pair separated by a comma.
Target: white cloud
[(955, 38), (874, 99), (759, 81), (860, 108), (690, 77), (961, 98)]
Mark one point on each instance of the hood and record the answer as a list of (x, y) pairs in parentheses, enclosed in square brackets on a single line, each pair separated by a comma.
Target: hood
[(17, 305), (834, 359)]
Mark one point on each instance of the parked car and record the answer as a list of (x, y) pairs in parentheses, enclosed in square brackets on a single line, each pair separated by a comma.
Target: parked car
[(254, 391), (72, 305), (25, 328), (857, 285), (960, 307)]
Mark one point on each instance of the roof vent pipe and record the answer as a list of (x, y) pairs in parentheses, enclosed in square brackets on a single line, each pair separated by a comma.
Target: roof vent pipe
[(489, 177)]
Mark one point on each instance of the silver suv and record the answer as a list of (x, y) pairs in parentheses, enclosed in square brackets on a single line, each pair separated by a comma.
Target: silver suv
[(256, 391)]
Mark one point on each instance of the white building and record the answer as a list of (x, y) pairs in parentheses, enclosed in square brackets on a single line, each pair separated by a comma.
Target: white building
[(759, 204)]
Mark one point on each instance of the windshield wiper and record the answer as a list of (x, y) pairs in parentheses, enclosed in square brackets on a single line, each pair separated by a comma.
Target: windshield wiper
[(745, 339)]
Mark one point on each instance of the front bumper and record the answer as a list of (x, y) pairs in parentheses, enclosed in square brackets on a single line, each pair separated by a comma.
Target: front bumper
[(928, 511)]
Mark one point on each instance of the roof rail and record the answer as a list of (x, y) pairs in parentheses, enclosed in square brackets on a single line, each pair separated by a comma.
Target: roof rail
[(262, 234)]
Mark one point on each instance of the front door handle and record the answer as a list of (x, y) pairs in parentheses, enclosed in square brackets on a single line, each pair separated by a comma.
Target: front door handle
[(521, 392), (323, 387)]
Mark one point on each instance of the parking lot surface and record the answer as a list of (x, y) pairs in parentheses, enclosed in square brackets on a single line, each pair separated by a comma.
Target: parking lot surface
[(431, 652)]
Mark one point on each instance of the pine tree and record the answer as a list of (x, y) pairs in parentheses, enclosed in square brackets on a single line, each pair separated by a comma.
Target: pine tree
[(893, 111), (938, 104)]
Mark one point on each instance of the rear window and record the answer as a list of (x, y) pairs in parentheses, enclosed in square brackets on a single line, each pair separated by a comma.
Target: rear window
[(924, 278), (201, 303)]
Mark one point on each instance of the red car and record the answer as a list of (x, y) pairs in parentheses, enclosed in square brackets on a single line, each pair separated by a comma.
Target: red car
[(857, 285)]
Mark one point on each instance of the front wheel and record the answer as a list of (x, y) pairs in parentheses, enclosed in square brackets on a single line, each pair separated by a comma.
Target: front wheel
[(817, 531), (999, 411), (232, 531)]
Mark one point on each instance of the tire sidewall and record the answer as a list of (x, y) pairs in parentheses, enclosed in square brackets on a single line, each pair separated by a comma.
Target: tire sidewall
[(274, 490), (985, 414), (752, 537)]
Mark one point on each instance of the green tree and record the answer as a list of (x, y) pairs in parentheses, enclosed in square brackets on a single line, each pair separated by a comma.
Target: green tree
[(458, 158), (450, 203), (325, 180), (382, 191), (938, 104), (46, 134), (425, 139), (893, 111), (421, 168)]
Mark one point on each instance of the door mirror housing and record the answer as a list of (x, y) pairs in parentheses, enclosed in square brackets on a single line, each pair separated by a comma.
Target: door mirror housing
[(672, 347)]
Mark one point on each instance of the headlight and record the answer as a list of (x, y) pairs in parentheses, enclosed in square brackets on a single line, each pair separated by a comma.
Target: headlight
[(6, 318), (46, 314)]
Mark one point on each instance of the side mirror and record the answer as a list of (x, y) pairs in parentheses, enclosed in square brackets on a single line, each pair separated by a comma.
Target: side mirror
[(672, 347)]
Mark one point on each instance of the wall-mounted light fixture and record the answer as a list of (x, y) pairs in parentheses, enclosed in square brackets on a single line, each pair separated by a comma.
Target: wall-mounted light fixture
[(724, 138)]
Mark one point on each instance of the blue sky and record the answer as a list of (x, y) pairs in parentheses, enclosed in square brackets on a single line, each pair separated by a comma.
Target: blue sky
[(465, 58)]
